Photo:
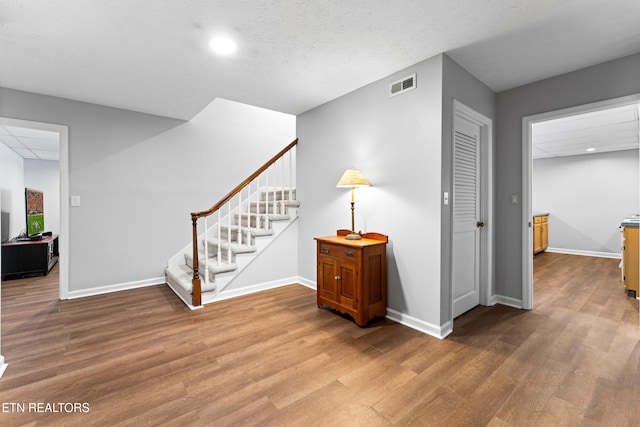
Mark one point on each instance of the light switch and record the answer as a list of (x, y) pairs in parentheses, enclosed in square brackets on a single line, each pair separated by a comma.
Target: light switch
[(445, 198), (515, 199), (75, 200)]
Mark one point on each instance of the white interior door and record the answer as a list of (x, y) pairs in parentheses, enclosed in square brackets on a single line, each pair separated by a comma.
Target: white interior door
[(465, 271)]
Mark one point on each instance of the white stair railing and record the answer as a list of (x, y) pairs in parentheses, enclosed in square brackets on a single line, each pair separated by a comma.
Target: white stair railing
[(268, 195)]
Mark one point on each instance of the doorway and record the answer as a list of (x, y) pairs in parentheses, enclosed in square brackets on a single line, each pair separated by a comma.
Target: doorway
[(63, 135), (528, 124)]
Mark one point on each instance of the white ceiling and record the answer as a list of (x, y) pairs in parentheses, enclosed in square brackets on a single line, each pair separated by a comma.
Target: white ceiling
[(152, 55), (612, 129), (31, 143)]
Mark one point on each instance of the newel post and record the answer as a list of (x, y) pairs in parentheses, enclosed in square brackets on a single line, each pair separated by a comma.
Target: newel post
[(196, 297)]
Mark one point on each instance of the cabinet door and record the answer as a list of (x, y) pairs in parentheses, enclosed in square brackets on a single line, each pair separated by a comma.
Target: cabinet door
[(348, 285), (544, 235), (327, 283), (537, 238)]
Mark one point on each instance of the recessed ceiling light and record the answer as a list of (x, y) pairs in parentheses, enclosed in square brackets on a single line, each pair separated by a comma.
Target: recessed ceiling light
[(591, 149), (222, 45)]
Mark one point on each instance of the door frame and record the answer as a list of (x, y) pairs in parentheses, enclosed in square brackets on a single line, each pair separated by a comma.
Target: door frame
[(486, 143), (527, 167), (63, 164)]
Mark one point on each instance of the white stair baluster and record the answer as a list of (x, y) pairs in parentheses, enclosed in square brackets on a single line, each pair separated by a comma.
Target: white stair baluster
[(275, 181), (291, 174), (266, 200), (219, 254), (206, 254), (240, 218), (248, 237), (282, 188), (229, 233)]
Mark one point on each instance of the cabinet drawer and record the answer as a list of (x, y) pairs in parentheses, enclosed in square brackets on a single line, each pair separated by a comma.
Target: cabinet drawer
[(339, 252), (537, 219), (545, 219)]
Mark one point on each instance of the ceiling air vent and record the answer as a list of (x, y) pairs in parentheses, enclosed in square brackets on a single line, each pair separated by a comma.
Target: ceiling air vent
[(402, 85)]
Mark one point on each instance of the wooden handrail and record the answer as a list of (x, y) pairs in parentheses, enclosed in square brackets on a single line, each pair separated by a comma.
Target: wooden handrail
[(196, 290), (225, 199)]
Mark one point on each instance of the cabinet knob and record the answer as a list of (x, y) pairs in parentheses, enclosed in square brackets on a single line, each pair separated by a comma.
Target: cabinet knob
[(324, 250), (349, 253), (338, 277)]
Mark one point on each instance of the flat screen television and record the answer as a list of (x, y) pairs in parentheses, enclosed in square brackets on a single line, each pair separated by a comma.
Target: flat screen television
[(34, 205)]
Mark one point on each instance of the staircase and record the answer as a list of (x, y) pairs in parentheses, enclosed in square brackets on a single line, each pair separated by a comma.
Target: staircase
[(244, 223)]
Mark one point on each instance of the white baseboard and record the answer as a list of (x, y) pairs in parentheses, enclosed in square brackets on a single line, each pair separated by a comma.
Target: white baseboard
[(436, 331), (508, 301), (585, 253), (308, 283), (116, 288), (233, 293), (439, 332)]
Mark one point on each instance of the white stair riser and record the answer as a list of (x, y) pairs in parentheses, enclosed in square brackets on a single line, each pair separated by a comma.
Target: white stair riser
[(263, 208), (269, 195), (255, 220), (247, 237)]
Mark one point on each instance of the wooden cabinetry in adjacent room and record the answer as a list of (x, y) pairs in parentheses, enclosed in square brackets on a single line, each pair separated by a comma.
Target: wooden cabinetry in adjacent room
[(630, 256), (352, 275), (540, 233)]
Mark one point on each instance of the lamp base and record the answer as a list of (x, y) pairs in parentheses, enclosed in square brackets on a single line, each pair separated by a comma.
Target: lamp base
[(353, 236)]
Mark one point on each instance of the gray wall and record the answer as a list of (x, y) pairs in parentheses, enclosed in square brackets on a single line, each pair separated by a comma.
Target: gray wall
[(587, 197), (139, 176), (601, 82), (403, 145), (460, 85), (11, 192), (396, 143)]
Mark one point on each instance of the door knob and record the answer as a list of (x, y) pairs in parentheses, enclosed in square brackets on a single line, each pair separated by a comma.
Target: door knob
[(480, 224), (337, 277)]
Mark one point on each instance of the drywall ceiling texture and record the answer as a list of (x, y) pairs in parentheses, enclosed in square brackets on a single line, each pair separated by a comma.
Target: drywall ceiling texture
[(152, 56)]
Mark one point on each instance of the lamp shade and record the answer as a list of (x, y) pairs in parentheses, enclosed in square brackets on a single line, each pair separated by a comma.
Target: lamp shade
[(353, 178)]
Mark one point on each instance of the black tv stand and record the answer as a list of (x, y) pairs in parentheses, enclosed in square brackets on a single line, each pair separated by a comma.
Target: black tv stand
[(23, 258)]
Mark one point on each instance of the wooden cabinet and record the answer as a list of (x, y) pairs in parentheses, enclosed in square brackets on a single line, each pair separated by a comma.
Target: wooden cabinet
[(24, 258), (630, 257), (352, 275), (540, 233)]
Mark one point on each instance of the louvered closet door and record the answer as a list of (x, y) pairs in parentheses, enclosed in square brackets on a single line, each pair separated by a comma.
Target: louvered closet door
[(465, 274)]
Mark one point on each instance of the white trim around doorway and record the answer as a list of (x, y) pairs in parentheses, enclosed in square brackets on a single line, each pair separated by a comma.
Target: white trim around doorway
[(63, 131), (527, 164)]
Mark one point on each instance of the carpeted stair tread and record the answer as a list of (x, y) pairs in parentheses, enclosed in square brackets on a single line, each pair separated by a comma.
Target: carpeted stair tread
[(214, 267), (183, 275), (255, 232)]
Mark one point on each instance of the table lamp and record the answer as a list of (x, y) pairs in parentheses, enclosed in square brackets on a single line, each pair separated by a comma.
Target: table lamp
[(352, 178)]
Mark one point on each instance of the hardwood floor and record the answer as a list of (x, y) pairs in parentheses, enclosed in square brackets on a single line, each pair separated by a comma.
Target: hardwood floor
[(140, 357)]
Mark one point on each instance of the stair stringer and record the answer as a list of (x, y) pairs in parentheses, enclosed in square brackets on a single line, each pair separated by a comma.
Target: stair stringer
[(225, 281)]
